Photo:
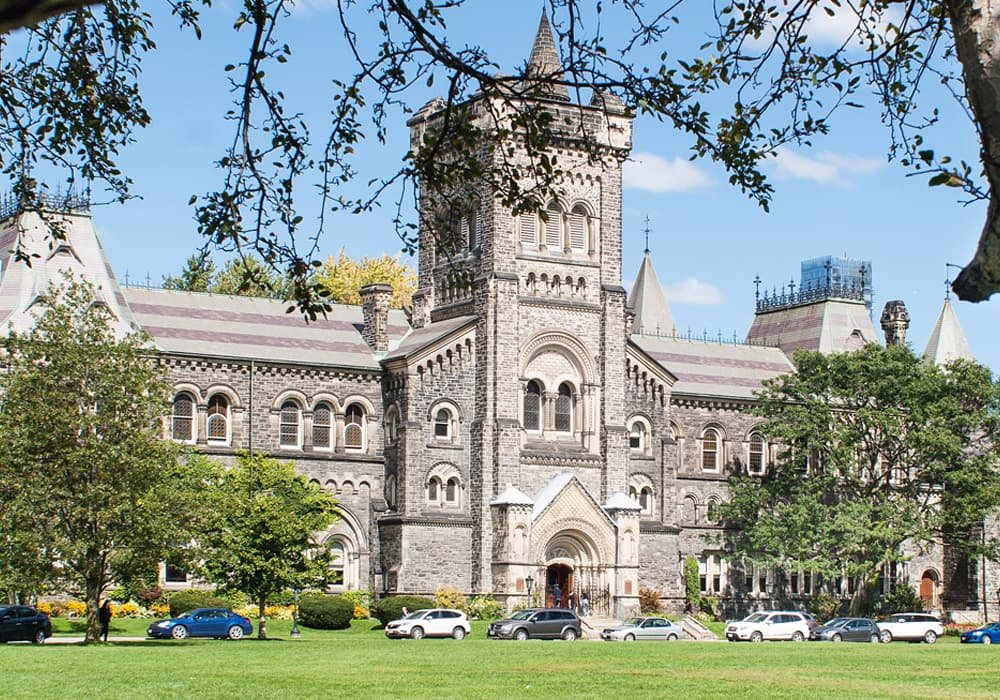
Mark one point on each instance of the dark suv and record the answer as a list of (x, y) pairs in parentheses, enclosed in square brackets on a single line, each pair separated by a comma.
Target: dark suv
[(537, 623), (23, 623)]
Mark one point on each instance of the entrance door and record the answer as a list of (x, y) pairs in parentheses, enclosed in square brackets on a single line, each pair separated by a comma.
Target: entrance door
[(927, 585), (558, 585)]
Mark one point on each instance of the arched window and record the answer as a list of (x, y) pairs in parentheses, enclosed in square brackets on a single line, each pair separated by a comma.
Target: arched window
[(646, 500), (758, 454), (637, 437), (564, 409), (218, 420), (578, 229), (528, 229), (354, 427), (433, 489), (337, 563), (391, 425), (451, 491), (442, 424), (182, 420), (390, 491), (322, 429), (710, 450), (290, 425), (712, 511), (553, 226), (532, 406)]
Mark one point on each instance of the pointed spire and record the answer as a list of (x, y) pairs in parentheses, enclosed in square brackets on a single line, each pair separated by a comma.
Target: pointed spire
[(652, 314), (947, 341), (544, 63)]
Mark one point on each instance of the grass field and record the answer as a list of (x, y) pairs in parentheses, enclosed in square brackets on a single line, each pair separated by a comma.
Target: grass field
[(361, 663)]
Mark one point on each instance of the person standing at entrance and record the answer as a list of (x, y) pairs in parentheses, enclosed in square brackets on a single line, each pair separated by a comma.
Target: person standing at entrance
[(556, 596), (584, 604)]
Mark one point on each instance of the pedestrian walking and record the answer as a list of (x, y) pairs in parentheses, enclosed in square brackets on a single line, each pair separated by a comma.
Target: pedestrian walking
[(104, 616)]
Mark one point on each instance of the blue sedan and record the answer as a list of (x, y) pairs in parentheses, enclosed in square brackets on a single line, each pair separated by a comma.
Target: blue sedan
[(983, 635), (202, 622)]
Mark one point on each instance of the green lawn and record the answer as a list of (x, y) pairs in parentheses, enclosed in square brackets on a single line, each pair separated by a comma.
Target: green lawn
[(361, 663)]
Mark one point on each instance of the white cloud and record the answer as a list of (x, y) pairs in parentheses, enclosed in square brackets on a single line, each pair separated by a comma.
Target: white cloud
[(653, 173), (826, 168), (693, 291), (833, 30)]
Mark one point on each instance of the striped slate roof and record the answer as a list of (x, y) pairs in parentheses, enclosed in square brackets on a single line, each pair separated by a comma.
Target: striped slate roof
[(245, 328), (832, 325), (425, 337), (715, 369)]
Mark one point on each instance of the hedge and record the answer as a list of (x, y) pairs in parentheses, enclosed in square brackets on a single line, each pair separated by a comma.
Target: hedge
[(325, 612), (182, 601), (391, 608)]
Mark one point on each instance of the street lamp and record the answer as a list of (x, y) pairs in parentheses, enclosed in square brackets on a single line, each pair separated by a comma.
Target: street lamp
[(295, 633), (528, 583)]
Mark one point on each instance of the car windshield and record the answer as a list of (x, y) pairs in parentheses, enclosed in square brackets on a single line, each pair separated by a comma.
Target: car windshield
[(633, 621), (522, 614), (756, 617), (416, 615), (836, 622), (189, 613)]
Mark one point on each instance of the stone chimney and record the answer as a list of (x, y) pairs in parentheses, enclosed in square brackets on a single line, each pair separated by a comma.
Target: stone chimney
[(895, 321), (375, 306)]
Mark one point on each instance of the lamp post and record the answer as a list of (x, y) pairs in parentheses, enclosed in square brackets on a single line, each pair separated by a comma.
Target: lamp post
[(528, 583), (295, 633)]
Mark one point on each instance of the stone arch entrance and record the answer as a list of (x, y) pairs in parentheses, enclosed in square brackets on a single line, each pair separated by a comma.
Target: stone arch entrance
[(573, 563), (928, 589), (558, 585)]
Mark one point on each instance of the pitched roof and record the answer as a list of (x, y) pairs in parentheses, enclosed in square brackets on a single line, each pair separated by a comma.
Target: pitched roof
[(544, 62), (421, 338), (652, 314), (947, 341), (715, 369), (245, 328), (831, 325)]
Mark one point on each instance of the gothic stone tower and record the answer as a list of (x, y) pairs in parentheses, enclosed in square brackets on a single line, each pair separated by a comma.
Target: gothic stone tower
[(535, 304)]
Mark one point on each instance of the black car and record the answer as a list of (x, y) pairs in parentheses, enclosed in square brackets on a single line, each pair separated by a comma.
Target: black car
[(21, 623), (537, 623)]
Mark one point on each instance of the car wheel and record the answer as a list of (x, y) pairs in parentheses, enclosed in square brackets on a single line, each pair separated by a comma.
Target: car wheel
[(930, 637), (569, 634), (39, 637), (987, 639), (874, 639), (458, 633), (629, 637), (798, 636), (756, 637), (235, 632), (521, 635), (836, 638), (417, 633), (671, 637), (179, 632), (886, 636)]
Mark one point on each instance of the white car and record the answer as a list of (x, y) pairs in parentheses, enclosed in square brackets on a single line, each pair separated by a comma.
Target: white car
[(770, 624), (643, 628), (435, 622), (911, 627)]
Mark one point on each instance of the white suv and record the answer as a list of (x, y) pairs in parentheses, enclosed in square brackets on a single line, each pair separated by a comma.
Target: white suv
[(770, 624), (912, 627)]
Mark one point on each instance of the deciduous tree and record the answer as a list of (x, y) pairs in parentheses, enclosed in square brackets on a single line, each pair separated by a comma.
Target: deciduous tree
[(344, 277), (873, 449)]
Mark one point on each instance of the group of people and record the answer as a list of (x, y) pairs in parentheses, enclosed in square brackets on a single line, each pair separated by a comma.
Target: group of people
[(580, 605)]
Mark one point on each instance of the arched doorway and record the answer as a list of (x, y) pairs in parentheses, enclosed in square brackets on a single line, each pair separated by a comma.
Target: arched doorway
[(558, 585), (928, 589)]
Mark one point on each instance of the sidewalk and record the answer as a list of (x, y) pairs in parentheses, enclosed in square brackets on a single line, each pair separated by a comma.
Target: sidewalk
[(64, 639)]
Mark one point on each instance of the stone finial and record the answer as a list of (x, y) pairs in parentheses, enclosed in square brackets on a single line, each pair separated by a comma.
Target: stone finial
[(895, 320), (375, 300)]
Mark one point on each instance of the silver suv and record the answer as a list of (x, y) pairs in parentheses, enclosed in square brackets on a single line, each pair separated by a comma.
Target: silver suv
[(912, 627), (537, 623)]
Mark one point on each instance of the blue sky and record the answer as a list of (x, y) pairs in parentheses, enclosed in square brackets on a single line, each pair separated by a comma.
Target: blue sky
[(708, 241)]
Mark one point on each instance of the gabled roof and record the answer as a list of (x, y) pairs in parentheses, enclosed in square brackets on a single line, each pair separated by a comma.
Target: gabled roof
[(652, 314), (832, 325), (557, 486), (715, 369), (512, 496), (420, 339), (250, 328), (544, 62), (947, 341)]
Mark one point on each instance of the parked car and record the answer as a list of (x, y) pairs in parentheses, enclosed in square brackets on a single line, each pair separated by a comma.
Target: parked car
[(537, 623), (846, 629), (202, 622), (769, 624), (911, 627), (643, 628), (434, 622), (984, 635), (22, 623)]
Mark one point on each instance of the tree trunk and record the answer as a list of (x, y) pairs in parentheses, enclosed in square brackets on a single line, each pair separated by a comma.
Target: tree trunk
[(95, 587), (262, 621), (976, 27)]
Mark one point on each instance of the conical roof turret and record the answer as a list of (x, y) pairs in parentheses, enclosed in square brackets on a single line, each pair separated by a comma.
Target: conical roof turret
[(652, 314), (947, 341), (544, 63)]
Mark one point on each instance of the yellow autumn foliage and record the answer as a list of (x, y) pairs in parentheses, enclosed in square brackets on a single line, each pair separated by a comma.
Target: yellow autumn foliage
[(344, 277)]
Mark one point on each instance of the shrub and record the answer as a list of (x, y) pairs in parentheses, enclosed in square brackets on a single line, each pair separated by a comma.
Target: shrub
[(708, 606), (148, 596), (160, 608), (901, 598), (391, 608), (44, 608), (484, 607), (129, 609), (825, 606), (182, 601), (75, 608), (325, 612), (362, 601), (692, 585), (449, 597), (649, 600)]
